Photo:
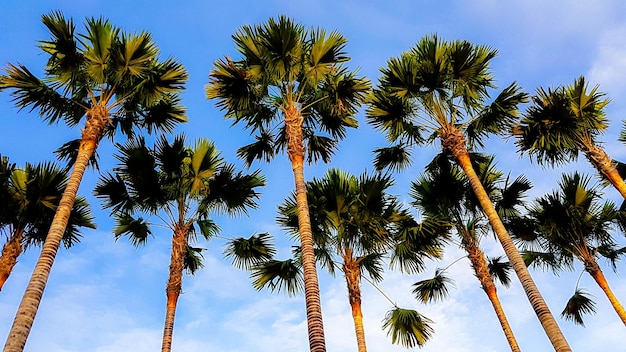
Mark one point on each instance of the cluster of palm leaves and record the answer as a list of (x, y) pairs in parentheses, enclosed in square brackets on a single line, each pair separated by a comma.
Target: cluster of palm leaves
[(290, 88)]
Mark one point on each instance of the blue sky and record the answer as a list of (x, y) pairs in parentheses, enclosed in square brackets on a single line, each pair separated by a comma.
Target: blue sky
[(108, 296)]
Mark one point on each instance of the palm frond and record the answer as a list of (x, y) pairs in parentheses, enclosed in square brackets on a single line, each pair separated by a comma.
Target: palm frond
[(578, 305), (407, 327), (246, 253), (277, 275), (501, 270), (433, 289)]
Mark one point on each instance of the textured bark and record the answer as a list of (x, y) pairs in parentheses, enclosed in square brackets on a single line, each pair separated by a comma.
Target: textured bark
[(603, 163), (10, 252), (97, 121), (594, 270), (352, 273), (174, 284), (295, 150), (453, 141), (481, 269)]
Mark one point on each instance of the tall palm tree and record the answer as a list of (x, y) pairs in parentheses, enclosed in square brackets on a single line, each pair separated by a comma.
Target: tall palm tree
[(443, 191), (32, 195), (181, 186), (291, 89), (442, 88), (564, 121), (572, 224), (115, 80), (355, 221)]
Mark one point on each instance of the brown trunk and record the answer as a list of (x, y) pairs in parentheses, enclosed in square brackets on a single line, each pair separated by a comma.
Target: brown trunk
[(97, 120), (481, 269), (295, 150), (454, 141), (603, 163), (594, 270), (174, 284), (10, 252), (352, 273)]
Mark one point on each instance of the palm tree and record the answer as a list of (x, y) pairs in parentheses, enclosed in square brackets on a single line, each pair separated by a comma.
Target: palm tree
[(181, 186), (291, 89), (571, 224), (115, 80), (565, 121), (442, 87), (32, 195), (443, 191), (355, 222)]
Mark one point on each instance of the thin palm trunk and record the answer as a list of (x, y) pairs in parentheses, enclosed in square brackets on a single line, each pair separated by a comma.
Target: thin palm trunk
[(10, 252), (454, 141), (353, 274), (603, 163), (27, 309), (295, 150), (97, 121), (481, 269), (174, 284), (594, 270)]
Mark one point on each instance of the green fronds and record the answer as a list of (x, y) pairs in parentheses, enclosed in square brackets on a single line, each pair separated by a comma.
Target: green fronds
[(285, 276), (578, 305), (434, 289), (407, 327), (246, 253)]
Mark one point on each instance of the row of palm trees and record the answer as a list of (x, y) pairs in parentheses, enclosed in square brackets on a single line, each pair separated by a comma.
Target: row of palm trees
[(291, 89)]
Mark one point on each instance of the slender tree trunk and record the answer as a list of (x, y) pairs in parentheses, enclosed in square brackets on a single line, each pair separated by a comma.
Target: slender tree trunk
[(295, 150), (454, 141), (174, 284), (594, 270), (10, 252), (603, 163), (97, 121), (479, 264), (352, 273)]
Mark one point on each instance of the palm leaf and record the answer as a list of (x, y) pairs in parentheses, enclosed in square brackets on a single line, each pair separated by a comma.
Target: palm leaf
[(137, 229), (246, 253), (278, 276), (193, 259), (433, 289), (578, 305), (407, 327), (501, 270)]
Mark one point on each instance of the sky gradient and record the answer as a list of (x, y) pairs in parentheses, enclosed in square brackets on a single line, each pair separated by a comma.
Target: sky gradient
[(105, 296)]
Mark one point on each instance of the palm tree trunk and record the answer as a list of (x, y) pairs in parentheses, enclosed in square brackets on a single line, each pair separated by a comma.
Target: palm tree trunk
[(352, 273), (594, 270), (10, 252), (454, 141), (27, 310), (481, 269), (95, 126), (174, 284), (603, 163), (295, 150)]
